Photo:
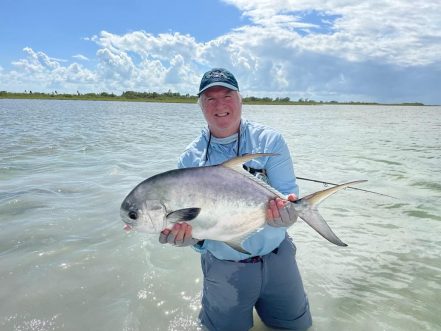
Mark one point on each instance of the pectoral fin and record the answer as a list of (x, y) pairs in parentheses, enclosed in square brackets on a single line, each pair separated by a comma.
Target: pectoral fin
[(180, 215)]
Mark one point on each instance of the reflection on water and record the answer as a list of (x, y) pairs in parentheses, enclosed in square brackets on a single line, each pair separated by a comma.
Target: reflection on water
[(66, 263)]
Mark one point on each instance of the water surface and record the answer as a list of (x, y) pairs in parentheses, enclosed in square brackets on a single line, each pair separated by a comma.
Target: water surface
[(66, 263)]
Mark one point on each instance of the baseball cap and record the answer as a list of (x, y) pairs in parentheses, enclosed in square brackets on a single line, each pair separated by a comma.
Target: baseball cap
[(218, 77)]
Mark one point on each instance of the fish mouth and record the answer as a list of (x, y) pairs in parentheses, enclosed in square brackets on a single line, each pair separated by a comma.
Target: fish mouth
[(150, 217), (144, 223), (130, 222)]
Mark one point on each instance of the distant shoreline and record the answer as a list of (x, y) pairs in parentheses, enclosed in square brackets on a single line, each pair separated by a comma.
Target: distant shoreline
[(170, 97)]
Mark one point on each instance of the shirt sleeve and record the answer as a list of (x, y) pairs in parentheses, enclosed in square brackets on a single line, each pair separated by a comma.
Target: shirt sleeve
[(280, 168), (180, 163), (186, 160)]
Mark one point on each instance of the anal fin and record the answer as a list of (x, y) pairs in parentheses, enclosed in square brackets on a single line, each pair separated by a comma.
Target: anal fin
[(235, 244)]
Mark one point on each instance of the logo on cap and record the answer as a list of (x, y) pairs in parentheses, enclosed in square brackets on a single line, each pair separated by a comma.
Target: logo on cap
[(218, 77)]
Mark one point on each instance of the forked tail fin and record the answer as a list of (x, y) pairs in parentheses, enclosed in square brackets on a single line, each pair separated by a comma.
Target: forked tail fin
[(307, 209)]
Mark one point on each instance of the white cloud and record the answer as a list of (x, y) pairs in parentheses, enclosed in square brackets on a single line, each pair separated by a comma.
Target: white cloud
[(401, 32), (39, 72), (146, 45), (114, 64), (36, 62), (333, 50), (142, 61), (81, 57)]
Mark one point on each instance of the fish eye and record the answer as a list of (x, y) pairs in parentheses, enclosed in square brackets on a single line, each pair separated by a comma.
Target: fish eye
[(133, 215)]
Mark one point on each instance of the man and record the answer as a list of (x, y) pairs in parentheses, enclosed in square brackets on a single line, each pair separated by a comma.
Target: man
[(234, 282)]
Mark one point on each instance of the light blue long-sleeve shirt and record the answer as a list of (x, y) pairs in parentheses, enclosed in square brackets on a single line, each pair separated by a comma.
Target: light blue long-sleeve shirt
[(254, 138)]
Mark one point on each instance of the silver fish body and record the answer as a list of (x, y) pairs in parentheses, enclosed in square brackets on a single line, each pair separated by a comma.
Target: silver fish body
[(222, 202)]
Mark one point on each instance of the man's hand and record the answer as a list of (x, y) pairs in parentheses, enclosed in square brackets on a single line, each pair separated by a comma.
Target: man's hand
[(179, 235), (282, 212)]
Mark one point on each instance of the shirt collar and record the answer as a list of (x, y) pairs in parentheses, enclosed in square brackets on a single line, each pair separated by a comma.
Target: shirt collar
[(224, 141), (229, 139)]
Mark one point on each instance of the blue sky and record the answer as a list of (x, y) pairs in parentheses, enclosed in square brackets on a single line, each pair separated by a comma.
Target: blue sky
[(387, 51), (59, 27)]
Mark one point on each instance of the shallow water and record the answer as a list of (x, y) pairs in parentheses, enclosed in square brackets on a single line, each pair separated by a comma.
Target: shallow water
[(66, 263)]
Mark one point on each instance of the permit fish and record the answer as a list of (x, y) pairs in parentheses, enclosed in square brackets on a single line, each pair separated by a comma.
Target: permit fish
[(222, 202)]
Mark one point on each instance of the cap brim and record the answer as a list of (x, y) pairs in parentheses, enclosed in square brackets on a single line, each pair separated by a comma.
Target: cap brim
[(231, 87)]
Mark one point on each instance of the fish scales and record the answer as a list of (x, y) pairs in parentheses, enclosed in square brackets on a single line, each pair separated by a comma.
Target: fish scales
[(228, 210)]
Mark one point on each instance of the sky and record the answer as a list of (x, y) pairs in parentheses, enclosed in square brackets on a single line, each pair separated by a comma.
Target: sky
[(337, 50)]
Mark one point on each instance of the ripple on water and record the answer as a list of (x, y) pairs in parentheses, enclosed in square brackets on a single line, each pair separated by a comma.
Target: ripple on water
[(422, 214), (28, 322), (434, 186)]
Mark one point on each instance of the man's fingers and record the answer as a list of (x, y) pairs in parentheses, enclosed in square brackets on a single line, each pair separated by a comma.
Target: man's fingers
[(163, 236), (284, 215), (280, 203), (272, 214), (274, 209), (171, 238), (269, 214), (187, 234), (281, 212), (278, 222), (180, 234)]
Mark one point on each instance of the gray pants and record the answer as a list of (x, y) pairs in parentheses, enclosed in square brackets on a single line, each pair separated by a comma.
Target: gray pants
[(274, 287)]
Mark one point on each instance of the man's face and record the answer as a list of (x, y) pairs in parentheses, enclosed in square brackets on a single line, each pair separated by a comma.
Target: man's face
[(222, 110)]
